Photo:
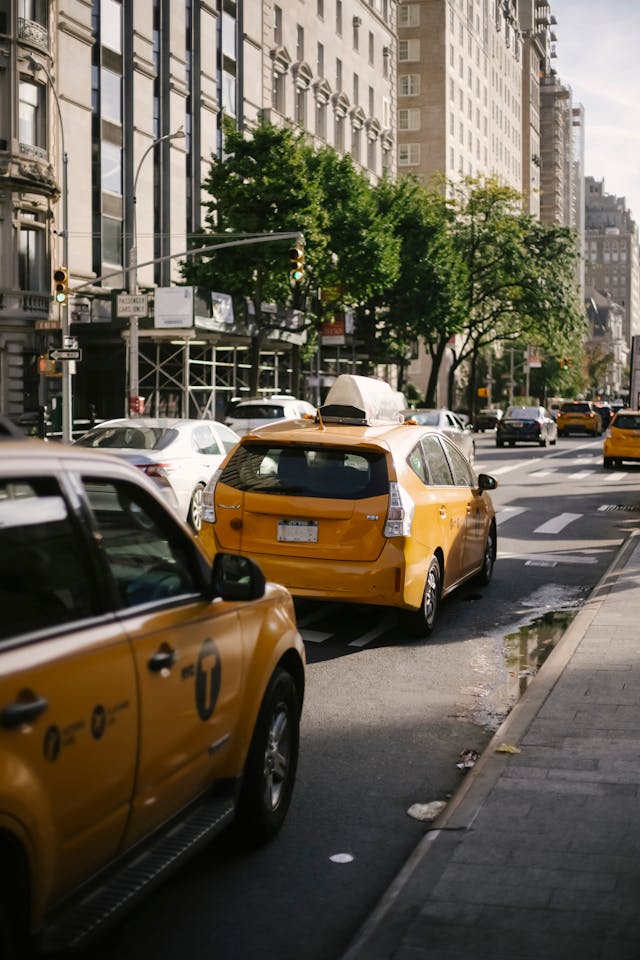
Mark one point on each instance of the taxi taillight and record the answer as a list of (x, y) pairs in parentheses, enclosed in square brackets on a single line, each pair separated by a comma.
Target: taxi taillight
[(209, 498), (399, 512)]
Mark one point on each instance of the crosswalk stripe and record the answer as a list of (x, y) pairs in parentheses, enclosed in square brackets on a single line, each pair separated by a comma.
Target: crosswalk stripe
[(580, 475), (314, 636), (386, 622), (609, 477), (507, 513), (556, 524)]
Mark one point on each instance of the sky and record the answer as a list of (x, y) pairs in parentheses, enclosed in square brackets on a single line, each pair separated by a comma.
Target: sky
[(598, 51)]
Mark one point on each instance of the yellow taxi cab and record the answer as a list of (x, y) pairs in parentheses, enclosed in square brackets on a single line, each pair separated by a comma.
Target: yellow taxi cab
[(355, 505), (578, 416), (148, 697), (622, 439)]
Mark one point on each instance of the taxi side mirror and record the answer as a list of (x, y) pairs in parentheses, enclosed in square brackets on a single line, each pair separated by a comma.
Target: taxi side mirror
[(486, 482), (236, 577)]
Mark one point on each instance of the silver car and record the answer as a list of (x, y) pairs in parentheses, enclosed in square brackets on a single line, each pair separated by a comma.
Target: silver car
[(180, 455), (448, 423)]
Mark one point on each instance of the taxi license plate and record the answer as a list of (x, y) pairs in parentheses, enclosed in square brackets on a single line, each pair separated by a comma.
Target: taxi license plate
[(299, 531)]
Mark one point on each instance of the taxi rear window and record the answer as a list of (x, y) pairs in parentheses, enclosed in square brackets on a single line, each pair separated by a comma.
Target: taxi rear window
[(258, 411), (575, 408), (627, 421), (335, 473)]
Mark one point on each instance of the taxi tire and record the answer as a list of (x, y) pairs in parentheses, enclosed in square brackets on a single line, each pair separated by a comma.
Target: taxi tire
[(483, 577), (420, 623), (608, 463), (262, 807)]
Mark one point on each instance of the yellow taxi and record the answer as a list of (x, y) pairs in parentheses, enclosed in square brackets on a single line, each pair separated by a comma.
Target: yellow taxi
[(148, 697), (622, 439), (578, 416), (356, 505)]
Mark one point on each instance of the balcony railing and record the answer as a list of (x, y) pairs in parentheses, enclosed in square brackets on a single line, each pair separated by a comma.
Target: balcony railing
[(33, 32)]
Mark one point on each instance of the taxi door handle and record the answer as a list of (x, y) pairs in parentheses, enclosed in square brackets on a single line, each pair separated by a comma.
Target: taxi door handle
[(22, 712), (162, 660), (443, 512)]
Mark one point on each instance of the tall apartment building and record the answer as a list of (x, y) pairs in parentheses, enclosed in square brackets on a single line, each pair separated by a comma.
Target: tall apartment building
[(612, 258), (538, 48), (132, 93), (460, 89)]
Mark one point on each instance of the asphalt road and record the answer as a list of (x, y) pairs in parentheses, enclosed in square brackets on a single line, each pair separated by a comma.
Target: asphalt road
[(387, 719)]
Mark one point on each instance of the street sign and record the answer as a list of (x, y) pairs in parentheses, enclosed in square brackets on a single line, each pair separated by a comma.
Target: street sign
[(132, 305), (70, 354)]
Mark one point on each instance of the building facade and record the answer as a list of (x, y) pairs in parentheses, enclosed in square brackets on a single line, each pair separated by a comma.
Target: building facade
[(112, 110)]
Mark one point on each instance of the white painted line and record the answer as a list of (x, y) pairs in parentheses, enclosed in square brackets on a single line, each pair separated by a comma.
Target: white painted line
[(614, 477), (545, 558), (556, 524), (323, 610), (580, 475), (542, 473), (541, 563), (314, 636), (507, 513), (511, 466), (386, 622)]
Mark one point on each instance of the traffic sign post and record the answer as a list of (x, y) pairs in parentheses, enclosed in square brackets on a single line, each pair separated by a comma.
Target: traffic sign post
[(71, 353)]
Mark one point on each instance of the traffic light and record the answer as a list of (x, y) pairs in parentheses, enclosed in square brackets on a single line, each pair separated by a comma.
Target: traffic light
[(296, 259), (60, 284)]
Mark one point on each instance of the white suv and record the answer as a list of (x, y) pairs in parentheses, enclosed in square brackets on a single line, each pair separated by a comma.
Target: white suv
[(247, 415)]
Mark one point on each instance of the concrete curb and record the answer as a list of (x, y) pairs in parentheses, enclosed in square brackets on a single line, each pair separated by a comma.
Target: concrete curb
[(371, 942)]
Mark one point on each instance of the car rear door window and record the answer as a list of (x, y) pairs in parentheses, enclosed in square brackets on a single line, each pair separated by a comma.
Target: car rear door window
[(437, 463), (463, 475), (204, 440), (45, 575)]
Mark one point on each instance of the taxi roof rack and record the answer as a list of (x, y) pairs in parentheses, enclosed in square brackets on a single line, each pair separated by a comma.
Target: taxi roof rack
[(361, 401)]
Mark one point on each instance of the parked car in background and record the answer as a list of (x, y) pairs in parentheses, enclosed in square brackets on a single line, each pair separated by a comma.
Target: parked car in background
[(449, 423), (578, 416), (247, 415), (622, 439), (487, 419), (148, 696), (179, 455), (356, 506), (522, 424)]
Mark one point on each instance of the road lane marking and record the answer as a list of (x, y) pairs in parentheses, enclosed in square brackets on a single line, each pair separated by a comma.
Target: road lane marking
[(386, 622), (580, 475), (314, 636), (507, 513), (509, 467), (542, 473), (609, 477), (556, 524), (546, 558)]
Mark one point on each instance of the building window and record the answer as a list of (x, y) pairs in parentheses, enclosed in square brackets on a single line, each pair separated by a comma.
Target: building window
[(111, 24), (278, 92), (355, 143), (228, 91), (111, 240), (371, 48), (371, 101), (372, 155), (408, 15), (408, 50), (111, 96), (408, 154), (409, 119), (111, 167), (339, 75), (409, 84), (277, 25), (299, 43), (320, 9), (356, 89), (339, 133), (339, 17), (320, 60), (321, 119), (31, 115), (31, 259), (356, 33), (301, 108)]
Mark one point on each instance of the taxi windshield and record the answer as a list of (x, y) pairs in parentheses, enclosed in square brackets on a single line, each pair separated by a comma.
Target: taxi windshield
[(627, 421), (336, 473)]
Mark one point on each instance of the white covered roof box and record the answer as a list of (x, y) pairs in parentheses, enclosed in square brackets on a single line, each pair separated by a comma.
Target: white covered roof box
[(362, 401)]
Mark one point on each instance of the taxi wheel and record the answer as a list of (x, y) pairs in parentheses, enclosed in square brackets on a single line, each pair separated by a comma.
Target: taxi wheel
[(608, 463), (421, 622), (489, 558), (271, 764), (194, 518)]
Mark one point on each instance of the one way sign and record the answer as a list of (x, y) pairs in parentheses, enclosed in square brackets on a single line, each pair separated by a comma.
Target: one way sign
[(68, 354)]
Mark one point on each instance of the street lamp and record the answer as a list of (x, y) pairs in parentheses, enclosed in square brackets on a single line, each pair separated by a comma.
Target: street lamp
[(36, 65), (132, 267)]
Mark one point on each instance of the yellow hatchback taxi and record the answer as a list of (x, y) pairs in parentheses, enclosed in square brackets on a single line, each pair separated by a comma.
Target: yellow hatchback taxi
[(356, 505), (622, 439), (578, 416), (148, 697)]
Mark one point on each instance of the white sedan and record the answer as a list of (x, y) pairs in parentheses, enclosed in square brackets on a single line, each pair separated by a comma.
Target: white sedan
[(448, 423), (180, 455)]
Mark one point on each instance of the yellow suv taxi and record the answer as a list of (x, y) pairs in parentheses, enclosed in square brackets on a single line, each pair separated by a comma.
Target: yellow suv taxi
[(355, 505), (622, 439), (148, 697), (578, 416)]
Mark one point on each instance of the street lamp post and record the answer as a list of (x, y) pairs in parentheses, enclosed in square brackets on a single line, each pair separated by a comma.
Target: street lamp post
[(67, 420), (132, 268)]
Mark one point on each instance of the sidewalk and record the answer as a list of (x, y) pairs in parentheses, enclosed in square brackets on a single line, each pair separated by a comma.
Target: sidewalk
[(537, 855)]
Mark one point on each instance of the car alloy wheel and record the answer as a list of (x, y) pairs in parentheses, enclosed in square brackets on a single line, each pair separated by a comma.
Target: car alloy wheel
[(489, 557), (195, 509)]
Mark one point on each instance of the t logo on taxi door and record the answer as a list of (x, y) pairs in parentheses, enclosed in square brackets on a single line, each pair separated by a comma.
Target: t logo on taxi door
[(208, 676)]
